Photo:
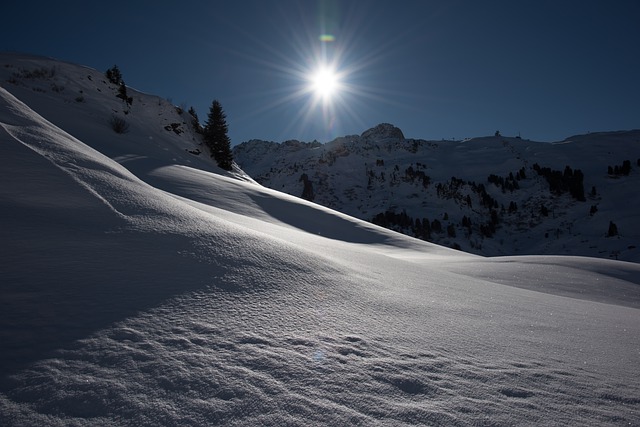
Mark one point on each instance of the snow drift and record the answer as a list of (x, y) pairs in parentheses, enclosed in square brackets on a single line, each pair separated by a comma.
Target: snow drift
[(142, 289)]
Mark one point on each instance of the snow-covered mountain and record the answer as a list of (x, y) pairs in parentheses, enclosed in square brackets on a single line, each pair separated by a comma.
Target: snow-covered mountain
[(490, 196), (142, 285)]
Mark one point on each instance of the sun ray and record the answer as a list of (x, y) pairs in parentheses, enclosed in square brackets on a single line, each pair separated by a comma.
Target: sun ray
[(323, 78)]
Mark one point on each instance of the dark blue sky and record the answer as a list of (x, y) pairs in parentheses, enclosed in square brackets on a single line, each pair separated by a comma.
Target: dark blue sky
[(436, 69)]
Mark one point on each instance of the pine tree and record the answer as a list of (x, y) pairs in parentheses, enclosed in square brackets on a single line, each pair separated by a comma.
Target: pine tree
[(626, 167), (216, 138), (122, 94), (114, 75), (307, 190), (451, 230), (195, 121)]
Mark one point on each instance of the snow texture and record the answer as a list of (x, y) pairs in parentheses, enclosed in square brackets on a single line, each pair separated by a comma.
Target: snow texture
[(142, 285)]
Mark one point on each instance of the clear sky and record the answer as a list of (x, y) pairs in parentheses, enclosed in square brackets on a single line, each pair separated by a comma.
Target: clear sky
[(546, 69)]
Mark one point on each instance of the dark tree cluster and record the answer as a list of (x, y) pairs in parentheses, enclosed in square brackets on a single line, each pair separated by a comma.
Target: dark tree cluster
[(510, 183), (485, 198), (571, 181), (488, 229), (613, 229), (421, 228), (371, 175), (412, 175), (625, 169), (451, 188), (390, 219)]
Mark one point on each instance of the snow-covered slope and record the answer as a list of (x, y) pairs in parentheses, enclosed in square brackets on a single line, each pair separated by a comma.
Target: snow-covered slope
[(82, 102), (486, 194), (157, 292)]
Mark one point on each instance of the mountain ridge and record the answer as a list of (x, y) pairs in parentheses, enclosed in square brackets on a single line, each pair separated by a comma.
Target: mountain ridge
[(383, 177)]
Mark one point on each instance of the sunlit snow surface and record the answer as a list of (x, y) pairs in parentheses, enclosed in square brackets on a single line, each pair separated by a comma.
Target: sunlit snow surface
[(152, 292)]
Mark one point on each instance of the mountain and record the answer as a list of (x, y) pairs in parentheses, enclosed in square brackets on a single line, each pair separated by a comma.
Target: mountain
[(143, 285), (490, 196)]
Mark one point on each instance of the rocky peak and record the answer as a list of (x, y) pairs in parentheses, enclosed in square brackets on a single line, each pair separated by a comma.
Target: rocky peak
[(383, 131)]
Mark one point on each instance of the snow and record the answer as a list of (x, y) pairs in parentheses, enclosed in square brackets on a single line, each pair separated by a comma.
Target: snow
[(380, 171), (144, 286)]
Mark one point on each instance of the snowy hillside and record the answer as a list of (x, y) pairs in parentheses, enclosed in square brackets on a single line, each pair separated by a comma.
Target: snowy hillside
[(489, 196), (143, 286), (82, 102)]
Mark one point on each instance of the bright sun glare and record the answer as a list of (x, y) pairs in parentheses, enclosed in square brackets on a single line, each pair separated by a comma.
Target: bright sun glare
[(324, 82)]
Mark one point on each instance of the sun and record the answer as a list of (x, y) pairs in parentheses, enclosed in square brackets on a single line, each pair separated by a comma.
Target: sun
[(324, 82)]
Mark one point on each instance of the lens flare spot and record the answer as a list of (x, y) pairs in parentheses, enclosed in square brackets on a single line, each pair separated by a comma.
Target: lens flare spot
[(326, 38)]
